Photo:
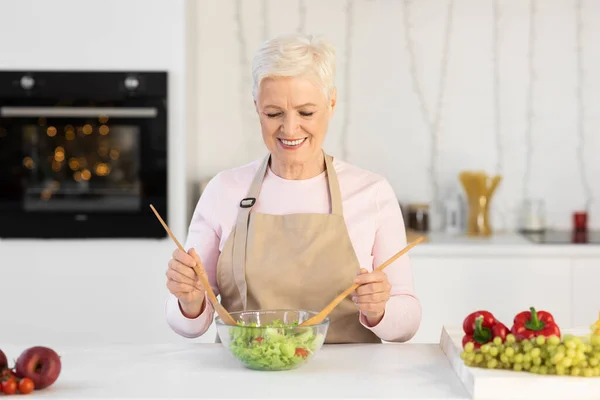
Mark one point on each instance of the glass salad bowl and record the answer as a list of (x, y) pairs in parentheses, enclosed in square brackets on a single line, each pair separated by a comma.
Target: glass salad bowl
[(271, 340)]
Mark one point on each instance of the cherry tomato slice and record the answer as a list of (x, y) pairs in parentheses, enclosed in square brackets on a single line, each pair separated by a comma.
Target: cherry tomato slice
[(301, 352)]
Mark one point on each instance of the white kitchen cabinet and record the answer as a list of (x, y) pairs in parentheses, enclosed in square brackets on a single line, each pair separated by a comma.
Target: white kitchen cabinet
[(586, 290), (451, 287)]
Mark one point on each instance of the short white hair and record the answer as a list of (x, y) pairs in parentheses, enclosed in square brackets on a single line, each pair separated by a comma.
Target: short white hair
[(295, 55)]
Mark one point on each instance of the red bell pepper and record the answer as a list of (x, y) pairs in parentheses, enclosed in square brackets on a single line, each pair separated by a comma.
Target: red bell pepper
[(481, 327), (532, 323)]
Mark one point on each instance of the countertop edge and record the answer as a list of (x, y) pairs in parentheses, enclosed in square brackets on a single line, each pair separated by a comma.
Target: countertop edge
[(509, 244), (508, 251)]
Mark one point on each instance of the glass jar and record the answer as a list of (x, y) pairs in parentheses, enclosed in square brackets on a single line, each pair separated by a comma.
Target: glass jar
[(534, 216), (418, 217)]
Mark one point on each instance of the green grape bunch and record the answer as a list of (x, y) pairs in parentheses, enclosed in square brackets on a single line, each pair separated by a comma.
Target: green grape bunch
[(571, 356)]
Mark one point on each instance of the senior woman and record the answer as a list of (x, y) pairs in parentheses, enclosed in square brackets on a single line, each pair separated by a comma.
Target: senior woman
[(298, 227)]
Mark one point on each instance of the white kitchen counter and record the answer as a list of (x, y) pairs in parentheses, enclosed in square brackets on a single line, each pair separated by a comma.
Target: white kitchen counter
[(391, 371), (500, 244)]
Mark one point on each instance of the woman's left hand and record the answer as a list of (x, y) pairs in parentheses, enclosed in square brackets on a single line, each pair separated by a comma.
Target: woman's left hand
[(372, 295)]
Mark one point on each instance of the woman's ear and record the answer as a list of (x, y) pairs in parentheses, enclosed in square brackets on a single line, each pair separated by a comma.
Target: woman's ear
[(333, 101)]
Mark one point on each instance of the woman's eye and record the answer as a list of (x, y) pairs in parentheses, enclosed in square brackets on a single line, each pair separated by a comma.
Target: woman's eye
[(306, 114), (273, 115)]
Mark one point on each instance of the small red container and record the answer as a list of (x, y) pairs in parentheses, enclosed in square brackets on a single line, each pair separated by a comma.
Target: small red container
[(580, 221)]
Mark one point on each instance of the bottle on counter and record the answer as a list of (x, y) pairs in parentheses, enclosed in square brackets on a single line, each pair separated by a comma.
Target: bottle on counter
[(454, 214)]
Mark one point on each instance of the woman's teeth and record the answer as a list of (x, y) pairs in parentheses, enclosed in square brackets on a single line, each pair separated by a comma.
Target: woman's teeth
[(292, 142)]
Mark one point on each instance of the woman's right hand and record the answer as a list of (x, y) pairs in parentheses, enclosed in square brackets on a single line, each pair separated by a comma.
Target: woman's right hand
[(184, 284)]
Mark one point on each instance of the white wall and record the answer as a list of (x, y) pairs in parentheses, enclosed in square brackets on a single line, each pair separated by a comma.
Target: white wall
[(95, 291), (379, 114)]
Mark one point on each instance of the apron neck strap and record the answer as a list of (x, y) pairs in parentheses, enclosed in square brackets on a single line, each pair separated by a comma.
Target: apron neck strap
[(256, 185), (334, 187), (332, 181)]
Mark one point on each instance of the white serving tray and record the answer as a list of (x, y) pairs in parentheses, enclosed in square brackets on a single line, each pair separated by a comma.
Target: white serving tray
[(485, 384)]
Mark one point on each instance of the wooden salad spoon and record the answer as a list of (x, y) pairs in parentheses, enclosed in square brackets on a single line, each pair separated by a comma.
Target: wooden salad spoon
[(316, 319), (225, 316)]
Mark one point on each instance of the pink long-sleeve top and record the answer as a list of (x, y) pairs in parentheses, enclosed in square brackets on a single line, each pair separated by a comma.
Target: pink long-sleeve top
[(373, 218)]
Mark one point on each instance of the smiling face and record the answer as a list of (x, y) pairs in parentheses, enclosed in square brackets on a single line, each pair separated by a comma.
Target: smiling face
[(294, 116)]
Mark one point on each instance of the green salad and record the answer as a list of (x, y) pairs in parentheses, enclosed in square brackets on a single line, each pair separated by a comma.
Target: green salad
[(273, 346)]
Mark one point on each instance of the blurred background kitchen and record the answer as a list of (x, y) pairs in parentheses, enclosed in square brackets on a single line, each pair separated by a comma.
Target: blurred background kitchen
[(483, 115)]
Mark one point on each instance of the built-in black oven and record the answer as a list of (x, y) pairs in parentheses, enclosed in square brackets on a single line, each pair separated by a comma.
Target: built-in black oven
[(82, 154)]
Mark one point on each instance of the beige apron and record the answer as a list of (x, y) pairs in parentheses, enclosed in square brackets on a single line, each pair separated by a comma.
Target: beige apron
[(294, 261)]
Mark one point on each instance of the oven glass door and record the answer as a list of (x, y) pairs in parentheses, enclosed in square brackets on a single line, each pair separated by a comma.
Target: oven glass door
[(80, 160)]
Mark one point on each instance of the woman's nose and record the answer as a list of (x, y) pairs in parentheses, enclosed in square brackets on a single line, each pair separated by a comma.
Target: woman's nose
[(290, 125)]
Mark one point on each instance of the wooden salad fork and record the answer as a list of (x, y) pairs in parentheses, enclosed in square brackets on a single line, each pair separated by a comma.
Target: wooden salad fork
[(316, 319), (225, 316)]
